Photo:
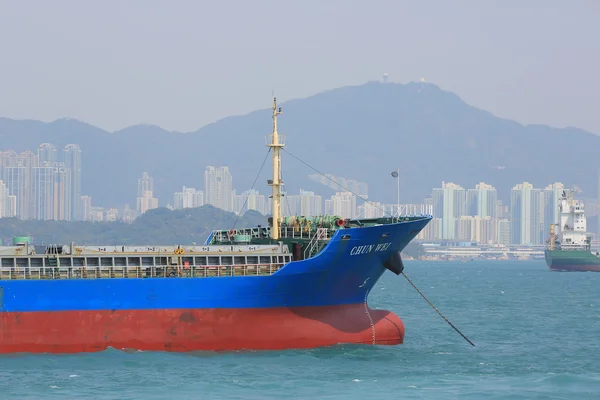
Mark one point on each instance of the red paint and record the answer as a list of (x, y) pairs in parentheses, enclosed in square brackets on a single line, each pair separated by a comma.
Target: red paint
[(187, 330)]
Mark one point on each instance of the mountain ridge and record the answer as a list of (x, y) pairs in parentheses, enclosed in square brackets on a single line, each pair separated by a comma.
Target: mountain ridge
[(362, 132)]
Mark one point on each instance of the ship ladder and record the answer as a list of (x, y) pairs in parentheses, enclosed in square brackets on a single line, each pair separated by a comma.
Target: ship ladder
[(53, 264), (314, 243)]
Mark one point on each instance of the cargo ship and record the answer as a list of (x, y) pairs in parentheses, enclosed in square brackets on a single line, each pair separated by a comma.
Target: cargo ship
[(297, 282), (569, 246)]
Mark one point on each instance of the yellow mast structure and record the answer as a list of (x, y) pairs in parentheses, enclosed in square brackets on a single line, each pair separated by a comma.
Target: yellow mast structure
[(276, 142)]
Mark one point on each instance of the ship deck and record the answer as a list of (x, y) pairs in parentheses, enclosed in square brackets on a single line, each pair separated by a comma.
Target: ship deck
[(155, 271), (94, 262)]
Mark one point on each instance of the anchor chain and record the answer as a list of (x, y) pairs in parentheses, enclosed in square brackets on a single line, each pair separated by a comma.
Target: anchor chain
[(441, 315)]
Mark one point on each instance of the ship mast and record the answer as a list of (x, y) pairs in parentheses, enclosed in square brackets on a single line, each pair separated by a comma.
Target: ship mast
[(275, 144)]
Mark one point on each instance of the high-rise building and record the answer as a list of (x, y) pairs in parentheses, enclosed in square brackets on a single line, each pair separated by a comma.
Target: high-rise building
[(290, 205), (85, 205), (503, 233), (432, 231), (62, 192), (11, 206), (305, 203), (342, 204), (465, 228), (437, 201), (145, 185), (3, 199), (250, 200), (482, 201), (500, 209), (128, 214), (188, 198), (111, 215), (43, 190), (146, 200), (218, 187), (42, 185), (47, 153), (526, 215), (449, 204), (72, 159), (311, 204), (372, 209), (16, 174), (552, 194)]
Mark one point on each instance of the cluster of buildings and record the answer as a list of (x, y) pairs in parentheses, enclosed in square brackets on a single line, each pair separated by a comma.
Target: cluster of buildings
[(46, 185), (477, 215), (42, 185), (459, 214), (219, 192)]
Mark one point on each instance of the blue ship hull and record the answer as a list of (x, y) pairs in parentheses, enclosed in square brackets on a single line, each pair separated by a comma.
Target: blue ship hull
[(318, 301)]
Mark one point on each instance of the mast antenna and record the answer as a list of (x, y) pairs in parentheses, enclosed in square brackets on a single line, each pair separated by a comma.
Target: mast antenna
[(276, 142)]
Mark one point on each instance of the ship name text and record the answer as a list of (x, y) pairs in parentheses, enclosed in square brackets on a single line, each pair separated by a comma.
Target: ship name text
[(369, 248)]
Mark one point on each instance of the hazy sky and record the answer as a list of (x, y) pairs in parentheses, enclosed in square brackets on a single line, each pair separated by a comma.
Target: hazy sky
[(183, 64)]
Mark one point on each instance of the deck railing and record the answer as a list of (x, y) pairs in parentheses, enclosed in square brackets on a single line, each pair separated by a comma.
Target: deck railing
[(291, 232), (158, 271)]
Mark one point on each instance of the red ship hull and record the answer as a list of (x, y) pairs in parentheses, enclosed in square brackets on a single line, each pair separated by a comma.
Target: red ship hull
[(197, 329)]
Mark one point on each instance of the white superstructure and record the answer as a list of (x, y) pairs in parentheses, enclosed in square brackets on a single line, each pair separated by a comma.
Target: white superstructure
[(572, 230)]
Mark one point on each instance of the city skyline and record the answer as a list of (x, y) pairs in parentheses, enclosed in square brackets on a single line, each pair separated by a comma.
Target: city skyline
[(42, 185), (47, 185), (463, 138)]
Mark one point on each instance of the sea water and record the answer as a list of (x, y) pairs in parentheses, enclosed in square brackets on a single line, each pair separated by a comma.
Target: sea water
[(537, 336)]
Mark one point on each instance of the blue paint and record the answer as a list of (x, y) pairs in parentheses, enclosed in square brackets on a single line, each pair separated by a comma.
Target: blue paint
[(332, 277)]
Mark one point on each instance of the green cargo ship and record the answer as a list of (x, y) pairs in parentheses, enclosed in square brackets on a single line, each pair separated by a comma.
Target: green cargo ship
[(569, 247), (572, 260)]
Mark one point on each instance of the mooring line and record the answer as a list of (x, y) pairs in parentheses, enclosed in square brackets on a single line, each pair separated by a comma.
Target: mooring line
[(441, 315)]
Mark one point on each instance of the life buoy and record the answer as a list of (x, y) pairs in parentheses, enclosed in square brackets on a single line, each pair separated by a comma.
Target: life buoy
[(340, 222), (231, 233)]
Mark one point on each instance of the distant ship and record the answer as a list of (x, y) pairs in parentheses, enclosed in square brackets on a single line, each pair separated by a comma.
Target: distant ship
[(300, 282), (569, 247)]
